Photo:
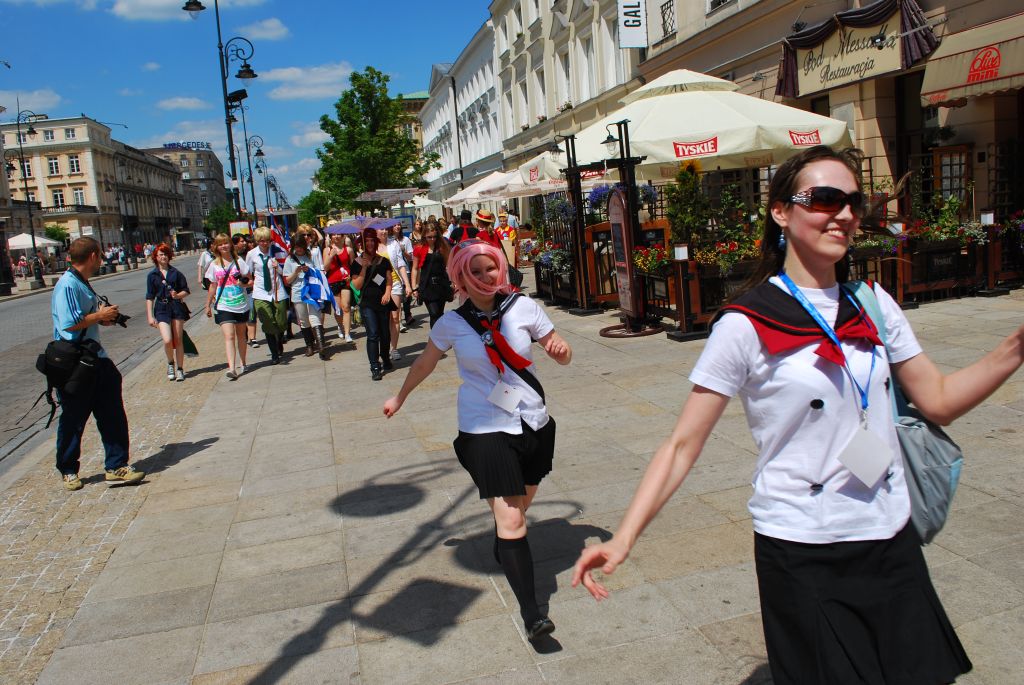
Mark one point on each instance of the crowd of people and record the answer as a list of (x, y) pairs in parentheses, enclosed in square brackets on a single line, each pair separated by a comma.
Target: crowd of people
[(844, 589)]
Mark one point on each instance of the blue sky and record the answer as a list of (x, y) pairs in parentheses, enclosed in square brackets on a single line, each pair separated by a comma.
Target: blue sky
[(144, 63)]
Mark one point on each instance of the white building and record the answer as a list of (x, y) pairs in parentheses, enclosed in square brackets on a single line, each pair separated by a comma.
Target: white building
[(559, 68), (461, 121)]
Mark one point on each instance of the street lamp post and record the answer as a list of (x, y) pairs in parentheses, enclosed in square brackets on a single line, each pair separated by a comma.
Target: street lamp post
[(239, 49), (251, 142), (25, 117), (261, 168)]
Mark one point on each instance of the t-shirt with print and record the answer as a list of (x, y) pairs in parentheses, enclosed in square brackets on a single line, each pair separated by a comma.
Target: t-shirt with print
[(524, 322), (230, 295)]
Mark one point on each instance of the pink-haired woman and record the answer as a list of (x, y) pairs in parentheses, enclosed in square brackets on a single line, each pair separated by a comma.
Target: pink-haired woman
[(506, 439)]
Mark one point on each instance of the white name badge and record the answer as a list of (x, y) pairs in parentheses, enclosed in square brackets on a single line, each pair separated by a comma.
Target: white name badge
[(378, 279), (505, 396), (866, 456)]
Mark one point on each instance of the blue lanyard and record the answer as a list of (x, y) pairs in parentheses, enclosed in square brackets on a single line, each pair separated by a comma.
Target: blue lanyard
[(818, 319)]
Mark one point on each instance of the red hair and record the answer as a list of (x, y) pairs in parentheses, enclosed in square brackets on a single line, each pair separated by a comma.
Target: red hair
[(162, 247), (461, 276)]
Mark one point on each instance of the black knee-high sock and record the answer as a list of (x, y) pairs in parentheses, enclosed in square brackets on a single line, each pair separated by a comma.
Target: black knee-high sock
[(517, 563)]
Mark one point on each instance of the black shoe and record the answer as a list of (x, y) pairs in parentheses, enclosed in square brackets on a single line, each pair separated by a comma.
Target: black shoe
[(375, 372), (539, 628), (388, 366)]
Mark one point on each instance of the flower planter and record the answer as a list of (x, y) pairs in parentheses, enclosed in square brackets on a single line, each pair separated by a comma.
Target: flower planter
[(940, 267)]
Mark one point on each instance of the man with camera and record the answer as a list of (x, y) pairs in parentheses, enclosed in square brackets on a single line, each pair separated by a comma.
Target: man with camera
[(94, 388)]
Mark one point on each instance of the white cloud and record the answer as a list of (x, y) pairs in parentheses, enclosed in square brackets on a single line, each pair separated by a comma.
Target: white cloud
[(36, 100), (151, 66), (83, 4), (161, 10), (309, 135), (183, 103), (309, 83), (303, 167), (268, 29), (130, 92)]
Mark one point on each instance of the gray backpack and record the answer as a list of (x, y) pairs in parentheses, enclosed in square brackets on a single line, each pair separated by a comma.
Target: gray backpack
[(931, 460)]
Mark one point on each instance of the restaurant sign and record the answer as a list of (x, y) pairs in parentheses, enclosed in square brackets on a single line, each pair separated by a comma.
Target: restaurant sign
[(850, 55)]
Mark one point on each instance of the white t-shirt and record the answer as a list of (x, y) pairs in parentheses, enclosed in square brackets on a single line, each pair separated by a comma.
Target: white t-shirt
[(798, 444), (524, 322), (291, 265), (260, 289), (230, 295), (204, 261)]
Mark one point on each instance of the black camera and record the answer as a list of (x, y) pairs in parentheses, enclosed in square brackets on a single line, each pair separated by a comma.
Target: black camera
[(122, 320)]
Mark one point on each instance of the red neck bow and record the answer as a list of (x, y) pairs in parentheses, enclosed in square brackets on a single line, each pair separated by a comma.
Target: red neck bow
[(498, 341)]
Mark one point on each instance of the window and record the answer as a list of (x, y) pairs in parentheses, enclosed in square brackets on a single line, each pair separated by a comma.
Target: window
[(518, 11), (821, 106), (541, 101), (715, 4), (74, 166), (22, 137), (201, 174), (523, 108), (31, 196), (69, 134), (79, 196), (587, 68), (52, 166), (202, 186), (48, 134), (564, 79), (58, 198), (668, 17), (185, 175), (199, 161), (184, 162), (26, 168)]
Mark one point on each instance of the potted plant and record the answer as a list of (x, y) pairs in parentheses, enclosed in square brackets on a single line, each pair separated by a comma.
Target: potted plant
[(655, 260), (541, 118), (565, 106), (524, 127), (687, 207)]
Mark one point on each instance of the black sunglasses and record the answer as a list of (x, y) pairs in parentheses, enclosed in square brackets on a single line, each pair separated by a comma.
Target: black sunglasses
[(831, 200)]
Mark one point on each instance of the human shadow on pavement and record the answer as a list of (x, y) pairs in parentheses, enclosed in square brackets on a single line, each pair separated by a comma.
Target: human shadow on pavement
[(424, 608), (762, 675), (171, 454)]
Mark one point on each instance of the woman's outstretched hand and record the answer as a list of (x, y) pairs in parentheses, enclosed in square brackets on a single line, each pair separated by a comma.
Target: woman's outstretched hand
[(392, 406), (556, 348), (606, 556)]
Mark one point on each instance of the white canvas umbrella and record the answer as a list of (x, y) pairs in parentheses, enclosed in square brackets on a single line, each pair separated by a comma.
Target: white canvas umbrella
[(684, 115), (418, 204), (23, 241), (537, 176), (472, 194)]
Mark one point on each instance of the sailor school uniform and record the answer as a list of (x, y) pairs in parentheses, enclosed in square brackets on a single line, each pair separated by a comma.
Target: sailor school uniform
[(803, 409)]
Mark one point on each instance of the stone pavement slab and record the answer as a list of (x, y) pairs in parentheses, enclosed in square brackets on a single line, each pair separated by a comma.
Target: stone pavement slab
[(295, 536)]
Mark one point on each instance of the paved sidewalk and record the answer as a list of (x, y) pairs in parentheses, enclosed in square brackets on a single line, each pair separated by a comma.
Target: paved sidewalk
[(290, 534)]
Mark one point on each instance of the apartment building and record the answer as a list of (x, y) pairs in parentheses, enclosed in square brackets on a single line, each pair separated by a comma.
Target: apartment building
[(91, 184), (199, 166)]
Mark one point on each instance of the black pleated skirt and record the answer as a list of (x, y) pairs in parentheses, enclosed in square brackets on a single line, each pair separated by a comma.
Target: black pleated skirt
[(849, 613), (503, 464)]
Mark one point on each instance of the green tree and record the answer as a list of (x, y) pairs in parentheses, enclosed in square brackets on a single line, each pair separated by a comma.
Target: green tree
[(219, 217), (368, 147), (313, 206), (55, 232)]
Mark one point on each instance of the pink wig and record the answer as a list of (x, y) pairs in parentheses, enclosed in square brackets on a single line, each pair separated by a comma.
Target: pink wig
[(463, 280)]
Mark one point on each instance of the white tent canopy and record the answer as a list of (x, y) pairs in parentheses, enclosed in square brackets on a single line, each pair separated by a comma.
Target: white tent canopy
[(473, 194), (418, 204), (685, 115), (539, 175), (23, 241)]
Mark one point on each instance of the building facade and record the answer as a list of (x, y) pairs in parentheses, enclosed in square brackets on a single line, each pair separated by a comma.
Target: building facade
[(865, 73), (90, 184), (200, 167), (461, 119), (412, 104), (559, 68)]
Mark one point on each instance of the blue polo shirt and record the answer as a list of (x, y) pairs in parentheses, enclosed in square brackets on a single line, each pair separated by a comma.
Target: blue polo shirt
[(72, 300)]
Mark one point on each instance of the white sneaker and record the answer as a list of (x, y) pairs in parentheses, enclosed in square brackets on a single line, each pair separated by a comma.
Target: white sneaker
[(230, 374), (170, 372), (180, 375), (402, 328), (348, 339), (395, 355), (240, 370)]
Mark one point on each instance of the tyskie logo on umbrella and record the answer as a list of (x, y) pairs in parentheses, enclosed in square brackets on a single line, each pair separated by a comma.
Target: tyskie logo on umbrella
[(534, 174), (698, 149), (805, 137)]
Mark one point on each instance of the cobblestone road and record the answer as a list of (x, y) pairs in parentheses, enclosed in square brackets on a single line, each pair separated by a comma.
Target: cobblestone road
[(54, 543)]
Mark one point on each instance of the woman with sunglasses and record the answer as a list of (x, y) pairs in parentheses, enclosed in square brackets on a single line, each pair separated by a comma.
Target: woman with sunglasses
[(371, 276), (226, 300), (506, 439), (430, 272), (166, 290), (844, 589)]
